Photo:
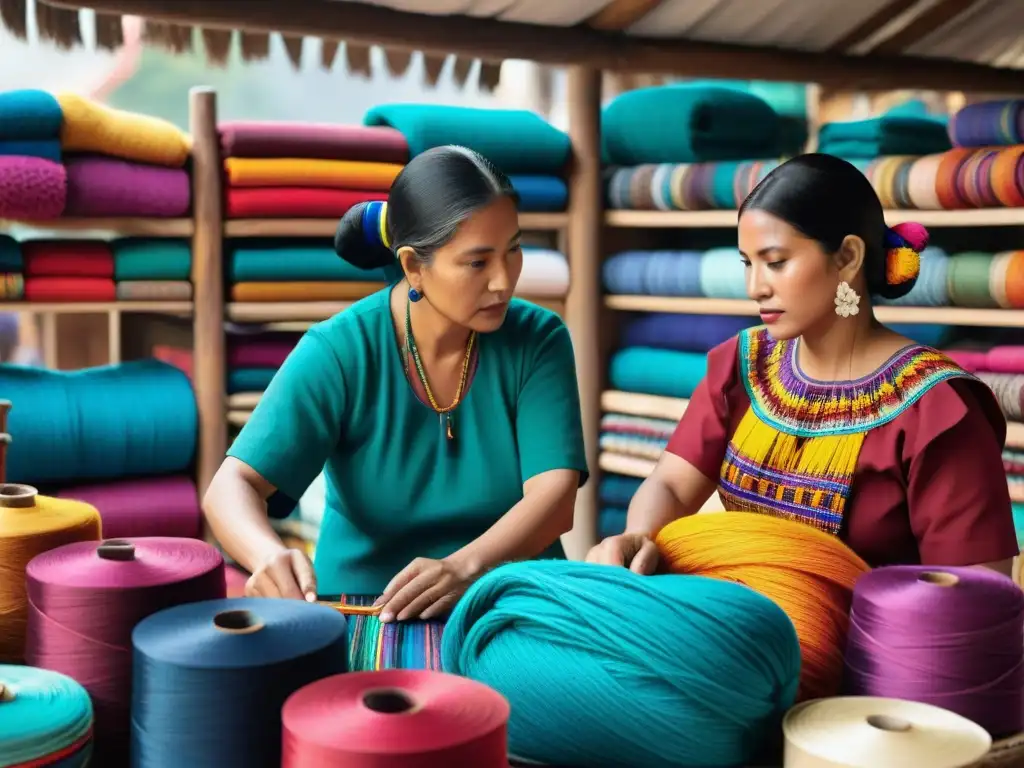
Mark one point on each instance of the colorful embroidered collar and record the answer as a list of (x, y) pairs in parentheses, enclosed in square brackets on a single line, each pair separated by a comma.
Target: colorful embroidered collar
[(784, 397)]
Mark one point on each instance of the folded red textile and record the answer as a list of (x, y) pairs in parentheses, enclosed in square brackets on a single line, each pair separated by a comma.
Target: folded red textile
[(253, 138), (67, 258), (294, 202), (70, 289)]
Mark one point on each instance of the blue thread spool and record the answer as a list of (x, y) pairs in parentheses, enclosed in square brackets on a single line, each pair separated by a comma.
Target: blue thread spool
[(211, 678)]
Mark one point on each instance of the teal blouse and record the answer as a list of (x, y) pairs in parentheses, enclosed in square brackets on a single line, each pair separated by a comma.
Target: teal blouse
[(397, 487)]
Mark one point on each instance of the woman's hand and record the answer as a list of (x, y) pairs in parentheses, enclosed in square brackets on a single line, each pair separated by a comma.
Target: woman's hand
[(424, 589), (287, 573), (629, 550)]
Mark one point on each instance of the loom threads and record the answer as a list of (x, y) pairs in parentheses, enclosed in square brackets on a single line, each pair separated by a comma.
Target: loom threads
[(62, 416), (649, 670), (395, 719), (951, 637), (86, 598), (807, 572), (212, 677), (45, 719), (31, 524)]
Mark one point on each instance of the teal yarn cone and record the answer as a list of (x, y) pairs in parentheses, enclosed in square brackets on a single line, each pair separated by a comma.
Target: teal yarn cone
[(604, 668), (116, 421)]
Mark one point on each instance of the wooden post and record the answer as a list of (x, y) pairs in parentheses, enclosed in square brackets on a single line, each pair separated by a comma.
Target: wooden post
[(207, 285), (583, 303)]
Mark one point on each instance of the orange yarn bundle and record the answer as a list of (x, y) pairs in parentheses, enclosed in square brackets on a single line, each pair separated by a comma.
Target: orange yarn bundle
[(808, 573)]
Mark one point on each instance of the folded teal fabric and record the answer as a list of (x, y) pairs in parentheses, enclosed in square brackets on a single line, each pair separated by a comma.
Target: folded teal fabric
[(517, 141), (885, 135), (10, 255), (151, 259), (29, 115), (281, 264), (688, 123)]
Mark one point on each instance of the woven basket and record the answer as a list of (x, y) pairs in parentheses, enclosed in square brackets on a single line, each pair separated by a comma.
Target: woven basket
[(1005, 753)]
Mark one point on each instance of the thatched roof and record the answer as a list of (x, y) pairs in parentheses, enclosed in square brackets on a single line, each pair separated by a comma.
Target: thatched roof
[(937, 44)]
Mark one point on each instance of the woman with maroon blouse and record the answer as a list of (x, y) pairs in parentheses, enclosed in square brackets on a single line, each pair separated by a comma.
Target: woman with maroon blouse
[(824, 416)]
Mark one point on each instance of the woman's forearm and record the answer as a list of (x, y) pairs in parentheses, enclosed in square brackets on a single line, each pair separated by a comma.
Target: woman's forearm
[(652, 507), (675, 489), (543, 514), (237, 514)]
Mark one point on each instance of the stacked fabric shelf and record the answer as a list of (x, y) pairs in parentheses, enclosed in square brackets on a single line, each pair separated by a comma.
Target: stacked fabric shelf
[(152, 269), (90, 271), (294, 271), (254, 354), (306, 171), (67, 156), (710, 146), (533, 153), (122, 438)]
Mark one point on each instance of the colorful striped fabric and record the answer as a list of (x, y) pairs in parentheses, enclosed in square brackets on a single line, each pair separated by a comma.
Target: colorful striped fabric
[(635, 435), (374, 646)]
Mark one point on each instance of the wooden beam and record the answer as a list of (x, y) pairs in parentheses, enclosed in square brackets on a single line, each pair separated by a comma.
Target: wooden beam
[(492, 40), (872, 24), (934, 18), (622, 14)]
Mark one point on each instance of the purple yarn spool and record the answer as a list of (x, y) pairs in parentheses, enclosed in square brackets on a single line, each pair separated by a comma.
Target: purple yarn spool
[(951, 637)]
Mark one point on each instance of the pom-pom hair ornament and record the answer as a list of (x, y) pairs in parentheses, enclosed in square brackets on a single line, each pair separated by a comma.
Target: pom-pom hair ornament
[(904, 244)]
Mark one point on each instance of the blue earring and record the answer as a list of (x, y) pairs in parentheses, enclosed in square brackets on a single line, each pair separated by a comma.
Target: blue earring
[(414, 295)]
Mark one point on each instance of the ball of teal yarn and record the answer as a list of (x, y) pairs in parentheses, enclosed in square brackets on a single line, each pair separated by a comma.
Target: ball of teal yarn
[(41, 713), (603, 667)]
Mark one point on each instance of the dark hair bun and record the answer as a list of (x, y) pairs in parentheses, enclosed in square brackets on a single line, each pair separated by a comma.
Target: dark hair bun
[(353, 244)]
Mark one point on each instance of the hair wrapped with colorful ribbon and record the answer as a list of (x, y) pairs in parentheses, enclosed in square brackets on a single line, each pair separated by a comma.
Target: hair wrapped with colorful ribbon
[(904, 243), (375, 228)]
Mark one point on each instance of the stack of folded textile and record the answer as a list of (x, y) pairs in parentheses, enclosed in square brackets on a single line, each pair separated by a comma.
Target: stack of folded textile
[(33, 182), (986, 166), (545, 274), (12, 269), (897, 151), (1001, 366), (296, 270), (253, 356), (152, 269), (292, 170), (614, 494), (105, 162), (68, 270), (709, 145), (533, 153)]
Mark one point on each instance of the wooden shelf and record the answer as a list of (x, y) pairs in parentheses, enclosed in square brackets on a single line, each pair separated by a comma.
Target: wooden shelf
[(994, 318), (276, 311), (637, 404), (296, 312), (99, 307), (985, 217), (243, 401), (242, 228), (124, 227)]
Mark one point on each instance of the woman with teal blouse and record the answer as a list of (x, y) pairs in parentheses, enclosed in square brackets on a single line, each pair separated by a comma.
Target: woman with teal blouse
[(444, 413)]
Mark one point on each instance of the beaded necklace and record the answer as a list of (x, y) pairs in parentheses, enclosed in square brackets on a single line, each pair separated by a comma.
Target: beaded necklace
[(444, 414)]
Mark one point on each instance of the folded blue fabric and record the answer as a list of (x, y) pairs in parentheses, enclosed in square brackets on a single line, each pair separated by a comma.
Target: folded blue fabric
[(28, 115)]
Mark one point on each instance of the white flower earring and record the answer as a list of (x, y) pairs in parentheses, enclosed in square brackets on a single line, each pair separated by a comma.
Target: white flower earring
[(847, 300)]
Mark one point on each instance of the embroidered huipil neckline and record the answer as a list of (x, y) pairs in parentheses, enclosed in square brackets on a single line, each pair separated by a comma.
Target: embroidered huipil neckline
[(795, 450)]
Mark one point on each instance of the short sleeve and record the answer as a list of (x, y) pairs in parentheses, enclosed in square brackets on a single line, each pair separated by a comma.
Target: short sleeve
[(702, 435), (297, 423), (549, 428), (957, 494)]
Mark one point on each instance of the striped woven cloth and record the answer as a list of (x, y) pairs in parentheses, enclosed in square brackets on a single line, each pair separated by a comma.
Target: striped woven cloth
[(635, 435)]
